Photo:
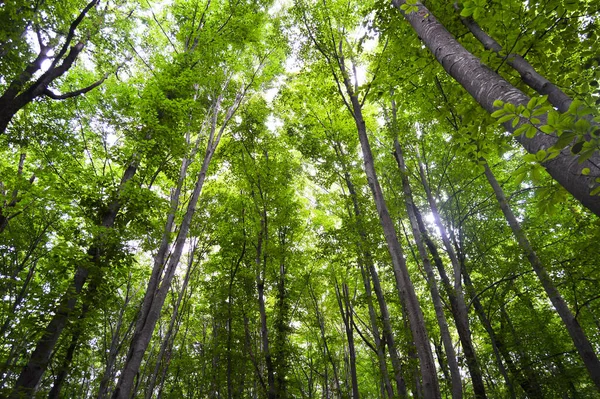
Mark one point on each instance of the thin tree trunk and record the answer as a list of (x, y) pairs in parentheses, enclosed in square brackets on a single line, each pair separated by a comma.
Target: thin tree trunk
[(404, 284), (372, 272), (528, 73), (115, 345), (581, 342), (32, 372), (486, 86), (456, 382), (456, 296), (328, 354), (261, 264), (531, 387), (375, 329), (168, 336), (345, 306), (155, 293)]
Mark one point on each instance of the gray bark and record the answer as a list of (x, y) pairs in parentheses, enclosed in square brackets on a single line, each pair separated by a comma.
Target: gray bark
[(580, 340), (155, 293), (404, 284), (486, 86), (456, 294), (456, 382), (528, 73)]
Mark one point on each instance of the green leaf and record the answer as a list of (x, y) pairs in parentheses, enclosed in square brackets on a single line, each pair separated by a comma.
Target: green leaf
[(585, 171), (576, 149)]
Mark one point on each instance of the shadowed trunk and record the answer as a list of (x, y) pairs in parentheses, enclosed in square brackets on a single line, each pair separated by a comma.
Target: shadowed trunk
[(456, 383), (32, 372), (486, 86), (580, 340)]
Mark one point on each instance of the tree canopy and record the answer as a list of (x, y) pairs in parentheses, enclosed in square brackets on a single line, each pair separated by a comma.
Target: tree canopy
[(299, 199)]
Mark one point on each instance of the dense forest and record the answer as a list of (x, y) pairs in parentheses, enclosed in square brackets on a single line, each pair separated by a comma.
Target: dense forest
[(299, 199)]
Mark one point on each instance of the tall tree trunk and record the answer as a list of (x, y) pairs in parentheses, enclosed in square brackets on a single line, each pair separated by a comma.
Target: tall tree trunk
[(261, 264), (382, 363), (456, 296), (115, 345), (530, 386), (328, 354), (171, 328), (156, 294), (456, 382), (486, 86), (404, 284), (528, 73), (581, 342), (372, 272), (32, 372), (346, 310)]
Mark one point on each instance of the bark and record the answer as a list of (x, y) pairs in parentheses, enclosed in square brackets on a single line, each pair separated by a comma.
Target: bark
[(321, 324), (17, 95), (170, 331), (32, 372), (404, 284), (528, 73), (456, 382), (261, 263), (345, 306), (372, 272), (531, 387), (580, 340), (156, 294), (376, 335), (486, 86), (115, 345), (456, 293)]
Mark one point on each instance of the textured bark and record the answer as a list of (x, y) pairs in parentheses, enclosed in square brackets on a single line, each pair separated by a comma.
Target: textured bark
[(456, 382), (580, 340), (404, 284), (486, 86), (528, 73), (32, 372)]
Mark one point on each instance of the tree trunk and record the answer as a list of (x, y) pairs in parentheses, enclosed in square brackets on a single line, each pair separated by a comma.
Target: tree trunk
[(456, 382), (457, 299), (170, 330), (372, 272), (581, 342), (261, 264), (343, 299), (115, 345), (486, 86), (32, 372), (528, 73), (404, 285), (155, 293)]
